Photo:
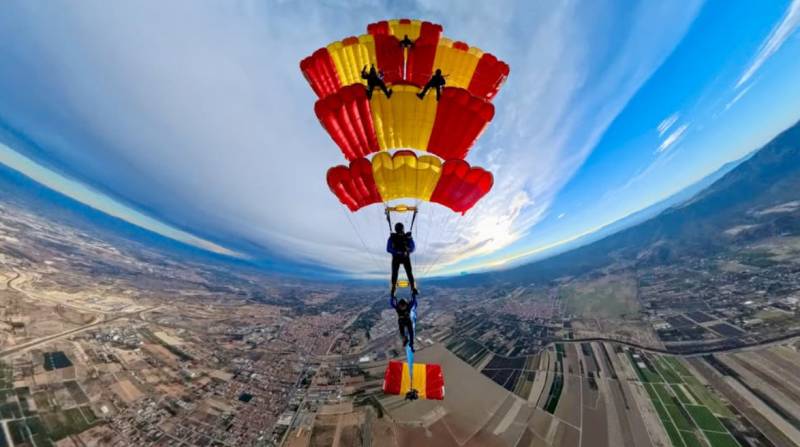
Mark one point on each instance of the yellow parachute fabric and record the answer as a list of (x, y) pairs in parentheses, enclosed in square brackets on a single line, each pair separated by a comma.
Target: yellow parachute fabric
[(419, 380), (350, 57), (457, 64), (405, 175), (400, 30), (404, 120)]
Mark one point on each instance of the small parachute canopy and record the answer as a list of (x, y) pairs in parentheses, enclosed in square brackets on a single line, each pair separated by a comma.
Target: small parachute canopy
[(428, 380)]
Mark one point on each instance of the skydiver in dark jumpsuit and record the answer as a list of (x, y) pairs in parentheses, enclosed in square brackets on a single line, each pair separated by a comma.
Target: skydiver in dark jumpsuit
[(404, 319), (401, 245), (406, 42), (437, 81), (374, 79)]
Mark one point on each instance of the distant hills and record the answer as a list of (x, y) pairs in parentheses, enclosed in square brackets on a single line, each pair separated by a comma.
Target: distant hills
[(757, 199)]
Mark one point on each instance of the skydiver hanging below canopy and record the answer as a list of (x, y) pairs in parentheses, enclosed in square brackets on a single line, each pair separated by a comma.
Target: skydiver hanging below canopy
[(405, 318), (374, 79), (436, 81), (401, 245), (406, 42)]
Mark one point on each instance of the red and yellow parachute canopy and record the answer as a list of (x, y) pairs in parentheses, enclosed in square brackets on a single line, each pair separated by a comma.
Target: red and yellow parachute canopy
[(375, 134)]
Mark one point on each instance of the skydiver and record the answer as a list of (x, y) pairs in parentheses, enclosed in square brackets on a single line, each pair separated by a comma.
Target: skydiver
[(374, 79), (436, 81), (401, 245), (404, 321), (406, 42)]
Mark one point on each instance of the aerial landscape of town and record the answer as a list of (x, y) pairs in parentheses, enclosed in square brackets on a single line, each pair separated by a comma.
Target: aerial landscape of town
[(110, 342)]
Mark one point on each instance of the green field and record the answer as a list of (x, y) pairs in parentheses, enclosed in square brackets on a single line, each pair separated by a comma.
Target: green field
[(671, 389), (59, 425), (681, 395), (707, 398), (669, 374), (691, 439), (678, 417), (705, 420), (721, 439), (673, 434)]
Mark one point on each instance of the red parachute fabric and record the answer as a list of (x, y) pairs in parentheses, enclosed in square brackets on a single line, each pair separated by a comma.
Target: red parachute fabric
[(320, 72), (460, 120), (429, 32), (347, 118), (461, 186), (434, 382), (489, 75), (354, 185), (379, 28), (419, 66), (390, 57), (393, 377)]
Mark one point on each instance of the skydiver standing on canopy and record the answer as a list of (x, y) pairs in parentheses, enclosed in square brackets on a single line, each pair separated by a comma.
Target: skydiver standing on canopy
[(401, 245), (436, 81), (406, 42), (374, 79)]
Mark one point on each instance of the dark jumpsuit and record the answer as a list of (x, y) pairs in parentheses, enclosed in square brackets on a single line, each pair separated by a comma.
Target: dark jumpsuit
[(401, 246), (374, 79), (404, 322), (437, 82)]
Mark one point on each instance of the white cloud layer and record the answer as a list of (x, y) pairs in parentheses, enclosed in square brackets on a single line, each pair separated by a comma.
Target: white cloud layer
[(673, 138), (782, 31), (196, 112)]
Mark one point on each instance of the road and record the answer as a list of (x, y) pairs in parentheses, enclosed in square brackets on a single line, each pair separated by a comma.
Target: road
[(99, 321)]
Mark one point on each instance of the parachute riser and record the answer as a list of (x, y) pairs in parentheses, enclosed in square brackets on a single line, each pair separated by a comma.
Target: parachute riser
[(401, 209)]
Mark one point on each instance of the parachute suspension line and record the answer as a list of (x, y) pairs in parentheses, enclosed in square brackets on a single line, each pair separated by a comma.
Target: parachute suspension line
[(460, 223), (413, 219), (388, 219), (358, 233), (433, 216), (444, 230)]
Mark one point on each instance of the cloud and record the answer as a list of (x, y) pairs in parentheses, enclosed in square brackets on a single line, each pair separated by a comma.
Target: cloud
[(673, 138), (738, 96), (196, 114), (665, 125), (561, 216), (779, 34), (100, 202)]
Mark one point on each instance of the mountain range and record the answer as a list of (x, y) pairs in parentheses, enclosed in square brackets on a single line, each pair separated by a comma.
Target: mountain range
[(756, 199)]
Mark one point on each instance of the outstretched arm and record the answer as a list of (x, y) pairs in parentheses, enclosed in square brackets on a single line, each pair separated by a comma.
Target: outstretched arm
[(413, 302), (393, 302)]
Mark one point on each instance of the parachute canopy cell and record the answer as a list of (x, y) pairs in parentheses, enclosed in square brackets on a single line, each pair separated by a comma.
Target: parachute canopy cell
[(461, 186), (447, 128), (403, 175), (354, 185), (428, 380)]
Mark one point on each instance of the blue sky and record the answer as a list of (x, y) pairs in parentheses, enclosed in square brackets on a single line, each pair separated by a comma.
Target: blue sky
[(192, 119)]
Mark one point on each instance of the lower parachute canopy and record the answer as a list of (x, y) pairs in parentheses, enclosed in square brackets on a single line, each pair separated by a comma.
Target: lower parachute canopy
[(428, 380), (454, 183)]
